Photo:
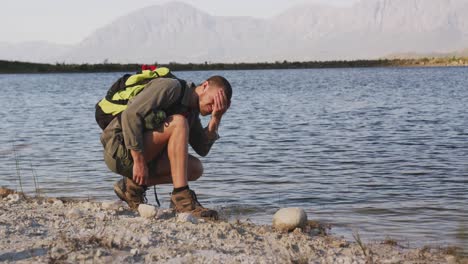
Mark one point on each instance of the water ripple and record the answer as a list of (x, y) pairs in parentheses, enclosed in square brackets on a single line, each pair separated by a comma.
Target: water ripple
[(381, 150)]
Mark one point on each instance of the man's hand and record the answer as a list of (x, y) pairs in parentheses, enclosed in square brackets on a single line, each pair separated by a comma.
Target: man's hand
[(220, 105), (140, 170)]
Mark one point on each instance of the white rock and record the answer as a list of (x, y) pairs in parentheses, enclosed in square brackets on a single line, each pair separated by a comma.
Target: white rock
[(112, 205), (145, 241), (134, 251), (57, 203), (13, 197), (86, 205), (74, 213), (147, 211), (287, 219), (186, 218)]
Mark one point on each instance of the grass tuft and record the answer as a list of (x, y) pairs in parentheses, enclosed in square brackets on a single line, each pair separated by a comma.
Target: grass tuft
[(18, 170), (36, 183), (365, 250)]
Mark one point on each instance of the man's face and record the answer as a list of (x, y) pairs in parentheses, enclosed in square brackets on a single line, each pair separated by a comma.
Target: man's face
[(207, 99)]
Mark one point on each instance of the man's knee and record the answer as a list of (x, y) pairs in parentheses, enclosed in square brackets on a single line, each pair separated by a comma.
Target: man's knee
[(177, 121), (195, 168)]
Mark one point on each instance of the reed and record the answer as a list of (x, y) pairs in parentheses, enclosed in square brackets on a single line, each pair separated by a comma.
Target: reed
[(18, 170), (36, 183), (365, 250)]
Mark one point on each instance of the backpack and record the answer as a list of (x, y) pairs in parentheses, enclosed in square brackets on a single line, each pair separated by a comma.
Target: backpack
[(125, 88)]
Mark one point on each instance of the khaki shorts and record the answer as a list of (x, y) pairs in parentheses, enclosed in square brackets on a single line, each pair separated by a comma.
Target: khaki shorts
[(119, 159)]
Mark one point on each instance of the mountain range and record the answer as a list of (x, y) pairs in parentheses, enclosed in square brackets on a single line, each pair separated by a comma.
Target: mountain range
[(178, 32)]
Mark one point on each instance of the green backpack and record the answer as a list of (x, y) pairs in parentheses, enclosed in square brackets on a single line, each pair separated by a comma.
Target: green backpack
[(125, 88)]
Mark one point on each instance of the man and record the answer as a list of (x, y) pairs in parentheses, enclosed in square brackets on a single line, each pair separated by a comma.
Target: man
[(149, 143)]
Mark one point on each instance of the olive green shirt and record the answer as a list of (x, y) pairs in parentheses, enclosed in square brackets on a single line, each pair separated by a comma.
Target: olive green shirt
[(159, 94)]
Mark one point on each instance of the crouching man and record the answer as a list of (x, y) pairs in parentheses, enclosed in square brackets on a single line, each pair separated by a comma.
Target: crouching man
[(148, 144)]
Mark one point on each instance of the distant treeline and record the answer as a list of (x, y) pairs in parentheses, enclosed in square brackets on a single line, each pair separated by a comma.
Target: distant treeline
[(26, 67)]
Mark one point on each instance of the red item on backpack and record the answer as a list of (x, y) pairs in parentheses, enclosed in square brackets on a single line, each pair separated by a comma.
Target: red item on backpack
[(148, 67)]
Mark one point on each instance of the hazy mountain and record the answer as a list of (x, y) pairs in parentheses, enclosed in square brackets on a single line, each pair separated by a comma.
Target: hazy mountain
[(174, 32), (368, 29), (373, 28)]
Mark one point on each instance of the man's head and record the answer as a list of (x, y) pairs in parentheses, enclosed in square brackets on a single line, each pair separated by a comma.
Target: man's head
[(209, 94)]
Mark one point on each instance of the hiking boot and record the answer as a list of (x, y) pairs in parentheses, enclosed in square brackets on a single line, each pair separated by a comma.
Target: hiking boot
[(186, 202), (130, 192)]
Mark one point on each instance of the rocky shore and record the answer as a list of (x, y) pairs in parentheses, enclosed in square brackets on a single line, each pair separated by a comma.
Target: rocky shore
[(49, 230)]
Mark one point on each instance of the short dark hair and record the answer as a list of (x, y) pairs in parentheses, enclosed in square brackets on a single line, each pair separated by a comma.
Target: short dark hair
[(220, 81)]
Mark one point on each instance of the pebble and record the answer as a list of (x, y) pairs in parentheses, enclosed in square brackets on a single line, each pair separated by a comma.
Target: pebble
[(100, 253), (86, 205), (288, 219), (111, 205), (186, 218), (57, 203), (147, 211), (101, 216), (134, 251), (145, 241), (74, 213), (13, 198)]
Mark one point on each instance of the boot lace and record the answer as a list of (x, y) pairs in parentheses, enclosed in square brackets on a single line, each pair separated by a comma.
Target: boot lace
[(156, 196), (194, 197), (143, 194)]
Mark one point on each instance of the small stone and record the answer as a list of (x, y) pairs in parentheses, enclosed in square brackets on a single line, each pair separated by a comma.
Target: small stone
[(147, 211), (100, 253), (111, 205), (297, 230), (186, 218), (101, 216), (86, 205), (288, 219), (145, 241), (57, 203), (13, 198), (74, 213), (134, 251)]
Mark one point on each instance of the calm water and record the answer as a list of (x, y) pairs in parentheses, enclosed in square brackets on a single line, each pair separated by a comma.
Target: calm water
[(380, 151)]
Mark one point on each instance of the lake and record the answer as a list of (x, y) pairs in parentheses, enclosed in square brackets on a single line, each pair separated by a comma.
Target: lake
[(379, 151)]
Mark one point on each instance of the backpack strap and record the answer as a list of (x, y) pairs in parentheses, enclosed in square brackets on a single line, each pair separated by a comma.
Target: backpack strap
[(183, 85)]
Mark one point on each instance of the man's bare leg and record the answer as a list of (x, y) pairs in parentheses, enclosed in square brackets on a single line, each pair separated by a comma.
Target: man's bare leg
[(163, 175), (174, 135)]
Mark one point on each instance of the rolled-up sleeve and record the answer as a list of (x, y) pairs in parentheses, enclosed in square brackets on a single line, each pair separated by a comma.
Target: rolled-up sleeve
[(159, 94)]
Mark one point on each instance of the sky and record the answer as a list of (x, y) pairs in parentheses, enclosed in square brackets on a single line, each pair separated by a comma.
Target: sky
[(70, 21)]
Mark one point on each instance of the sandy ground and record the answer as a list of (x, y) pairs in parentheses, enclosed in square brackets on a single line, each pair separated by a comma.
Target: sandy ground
[(40, 230)]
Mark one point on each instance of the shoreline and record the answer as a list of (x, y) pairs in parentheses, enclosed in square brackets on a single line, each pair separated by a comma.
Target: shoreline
[(52, 230), (18, 67)]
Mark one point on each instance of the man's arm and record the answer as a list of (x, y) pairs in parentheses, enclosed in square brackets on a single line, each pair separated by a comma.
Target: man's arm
[(201, 139)]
